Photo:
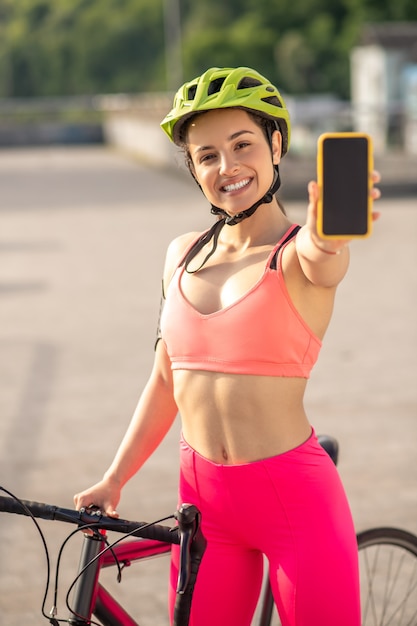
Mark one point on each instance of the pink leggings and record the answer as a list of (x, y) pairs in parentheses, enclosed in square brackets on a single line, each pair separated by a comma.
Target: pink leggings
[(291, 508)]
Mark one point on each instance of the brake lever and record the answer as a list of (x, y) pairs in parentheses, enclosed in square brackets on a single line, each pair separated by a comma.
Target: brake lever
[(188, 517)]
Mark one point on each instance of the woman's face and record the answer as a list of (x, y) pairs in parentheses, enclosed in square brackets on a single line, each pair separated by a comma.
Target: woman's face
[(231, 158)]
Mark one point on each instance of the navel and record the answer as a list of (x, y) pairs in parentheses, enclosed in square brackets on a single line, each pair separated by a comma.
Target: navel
[(224, 454)]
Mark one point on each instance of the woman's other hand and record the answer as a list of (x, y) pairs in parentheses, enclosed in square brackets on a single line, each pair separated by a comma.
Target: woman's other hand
[(105, 495)]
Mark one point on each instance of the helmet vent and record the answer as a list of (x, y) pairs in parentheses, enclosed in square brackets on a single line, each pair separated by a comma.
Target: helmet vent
[(273, 100), (191, 92), (248, 82), (215, 85)]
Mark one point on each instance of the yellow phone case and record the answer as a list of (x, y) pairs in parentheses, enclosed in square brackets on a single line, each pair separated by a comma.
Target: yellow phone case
[(320, 171)]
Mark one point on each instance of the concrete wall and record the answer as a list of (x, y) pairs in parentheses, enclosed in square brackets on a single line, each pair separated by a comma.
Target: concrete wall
[(139, 134)]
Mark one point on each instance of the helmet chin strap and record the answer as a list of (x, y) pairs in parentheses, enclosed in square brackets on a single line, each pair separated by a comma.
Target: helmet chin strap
[(231, 220), (214, 232)]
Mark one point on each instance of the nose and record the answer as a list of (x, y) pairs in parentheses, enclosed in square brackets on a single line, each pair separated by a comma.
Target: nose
[(228, 165)]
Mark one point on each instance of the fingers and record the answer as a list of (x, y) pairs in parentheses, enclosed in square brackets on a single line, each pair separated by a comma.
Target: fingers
[(376, 176), (100, 498), (77, 501), (103, 508), (313, 194), (375, 192)]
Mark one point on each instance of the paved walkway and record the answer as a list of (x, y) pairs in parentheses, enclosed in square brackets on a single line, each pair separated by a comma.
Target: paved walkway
[(82, 240)]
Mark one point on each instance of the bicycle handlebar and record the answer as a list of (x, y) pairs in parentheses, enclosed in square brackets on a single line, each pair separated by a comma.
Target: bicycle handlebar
[(187, 534), (52, 512)]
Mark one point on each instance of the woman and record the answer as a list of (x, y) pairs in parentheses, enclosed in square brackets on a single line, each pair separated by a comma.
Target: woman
[(248, 304)]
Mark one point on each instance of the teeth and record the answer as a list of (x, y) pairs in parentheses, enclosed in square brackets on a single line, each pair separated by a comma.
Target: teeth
[(237, 186)]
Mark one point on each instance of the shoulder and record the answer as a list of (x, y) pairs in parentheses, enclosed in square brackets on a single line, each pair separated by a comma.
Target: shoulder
[(313, 301), (176, 252)]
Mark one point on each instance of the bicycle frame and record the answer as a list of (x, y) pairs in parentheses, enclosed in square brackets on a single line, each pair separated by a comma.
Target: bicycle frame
[(90, 596)]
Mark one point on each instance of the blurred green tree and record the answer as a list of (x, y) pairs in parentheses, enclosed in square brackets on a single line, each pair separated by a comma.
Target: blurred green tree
[(59, 47)]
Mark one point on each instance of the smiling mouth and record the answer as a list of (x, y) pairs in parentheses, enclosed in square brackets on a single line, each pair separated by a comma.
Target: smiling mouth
[(236, 186)]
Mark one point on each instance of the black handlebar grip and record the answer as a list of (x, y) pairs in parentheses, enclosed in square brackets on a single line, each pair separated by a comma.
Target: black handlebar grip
[(37, 509)]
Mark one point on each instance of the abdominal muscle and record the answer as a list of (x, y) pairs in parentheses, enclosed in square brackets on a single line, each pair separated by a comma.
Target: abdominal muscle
[(233, 419)]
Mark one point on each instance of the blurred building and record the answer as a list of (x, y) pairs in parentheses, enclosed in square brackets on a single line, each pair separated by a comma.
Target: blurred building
[(384, 84)]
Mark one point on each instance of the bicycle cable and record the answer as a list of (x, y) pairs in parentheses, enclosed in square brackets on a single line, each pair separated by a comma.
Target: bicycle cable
[(53, 620), (58, 566), (45, 547), (54, 608), (108, 547)]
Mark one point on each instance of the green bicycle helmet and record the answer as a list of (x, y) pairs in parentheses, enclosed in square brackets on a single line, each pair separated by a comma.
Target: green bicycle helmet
[(222, 88)]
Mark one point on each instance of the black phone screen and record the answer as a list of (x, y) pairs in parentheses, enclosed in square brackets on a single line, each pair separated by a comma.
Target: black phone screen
[(345, 180)]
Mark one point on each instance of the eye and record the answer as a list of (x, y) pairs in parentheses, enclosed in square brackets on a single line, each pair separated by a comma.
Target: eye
[(242, 144), (207, 157)]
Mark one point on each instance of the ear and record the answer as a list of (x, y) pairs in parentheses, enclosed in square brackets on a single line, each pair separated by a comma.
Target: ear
[(276, 146)]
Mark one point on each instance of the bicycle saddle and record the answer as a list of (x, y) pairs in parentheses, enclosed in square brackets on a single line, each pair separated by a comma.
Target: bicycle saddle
[(331, 445)]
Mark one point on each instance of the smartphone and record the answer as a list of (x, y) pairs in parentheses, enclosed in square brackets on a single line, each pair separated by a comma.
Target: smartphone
[(344, 169)]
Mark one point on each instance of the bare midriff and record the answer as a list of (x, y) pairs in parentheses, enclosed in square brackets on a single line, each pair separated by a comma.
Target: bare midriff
[(233, 419)]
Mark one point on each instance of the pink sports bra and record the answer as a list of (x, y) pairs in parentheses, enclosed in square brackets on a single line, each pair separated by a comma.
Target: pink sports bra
[(261, 333)]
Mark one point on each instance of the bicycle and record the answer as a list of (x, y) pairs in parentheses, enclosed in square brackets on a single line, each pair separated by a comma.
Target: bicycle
[(90, 598), (388, 567)]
